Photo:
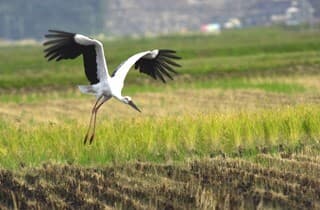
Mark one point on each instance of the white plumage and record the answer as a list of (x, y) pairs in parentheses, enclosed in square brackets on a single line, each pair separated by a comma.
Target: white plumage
[(66, 45)]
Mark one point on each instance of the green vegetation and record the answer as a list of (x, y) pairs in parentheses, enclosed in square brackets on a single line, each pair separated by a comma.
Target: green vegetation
[(161, 139), (239, 127), (246, 52), (250, 82)]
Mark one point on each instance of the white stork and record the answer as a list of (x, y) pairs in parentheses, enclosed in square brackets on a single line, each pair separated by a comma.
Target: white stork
[(65, 45)]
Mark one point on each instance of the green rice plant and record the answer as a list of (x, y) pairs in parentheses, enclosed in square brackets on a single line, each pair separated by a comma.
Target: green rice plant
[(158, 139)]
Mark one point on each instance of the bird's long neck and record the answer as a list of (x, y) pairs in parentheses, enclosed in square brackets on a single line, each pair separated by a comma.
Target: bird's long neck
[(117, 95)]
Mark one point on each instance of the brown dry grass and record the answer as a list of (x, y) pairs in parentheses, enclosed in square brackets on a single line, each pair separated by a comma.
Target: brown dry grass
[(57, 105), (217, 183), (155, 104)]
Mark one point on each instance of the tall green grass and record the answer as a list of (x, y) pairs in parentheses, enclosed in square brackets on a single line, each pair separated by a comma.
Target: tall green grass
[(157, 139)]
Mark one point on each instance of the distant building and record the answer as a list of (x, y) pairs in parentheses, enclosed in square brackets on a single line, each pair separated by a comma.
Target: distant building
[(212, 28), (232, 23), (288, 12)]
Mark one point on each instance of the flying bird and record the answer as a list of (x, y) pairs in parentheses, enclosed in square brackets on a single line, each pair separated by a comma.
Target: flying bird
[(157, 63)]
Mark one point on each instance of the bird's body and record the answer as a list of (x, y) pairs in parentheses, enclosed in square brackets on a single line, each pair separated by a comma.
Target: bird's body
[(65, 45)]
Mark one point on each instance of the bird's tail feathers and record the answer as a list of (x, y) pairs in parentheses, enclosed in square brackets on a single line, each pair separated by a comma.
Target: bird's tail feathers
[(88, 89)]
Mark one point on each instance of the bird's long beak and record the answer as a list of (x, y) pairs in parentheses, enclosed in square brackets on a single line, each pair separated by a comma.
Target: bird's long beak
[(134, 106)]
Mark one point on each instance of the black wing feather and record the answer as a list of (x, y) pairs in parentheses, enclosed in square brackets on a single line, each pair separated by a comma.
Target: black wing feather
[(159, 66), (61, 45), (164, 71), (90, 64), (170, 62)]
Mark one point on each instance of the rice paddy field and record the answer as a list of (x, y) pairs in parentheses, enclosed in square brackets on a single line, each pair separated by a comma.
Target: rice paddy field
[(238, 128)]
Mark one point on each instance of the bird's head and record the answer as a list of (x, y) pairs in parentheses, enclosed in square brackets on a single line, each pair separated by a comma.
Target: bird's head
[(128, 100)]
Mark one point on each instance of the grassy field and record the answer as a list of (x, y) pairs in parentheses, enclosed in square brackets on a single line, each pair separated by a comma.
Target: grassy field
[(245, 102)]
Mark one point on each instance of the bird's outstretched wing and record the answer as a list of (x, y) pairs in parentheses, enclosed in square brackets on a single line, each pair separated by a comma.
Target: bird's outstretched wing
[(155, 63), (65, 45)]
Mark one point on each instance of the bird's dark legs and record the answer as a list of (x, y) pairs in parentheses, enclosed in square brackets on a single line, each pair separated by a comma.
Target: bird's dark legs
[(95, 119), (90, 123)]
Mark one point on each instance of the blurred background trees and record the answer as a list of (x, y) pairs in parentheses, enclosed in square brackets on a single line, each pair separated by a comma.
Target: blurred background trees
[(31, 19)]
